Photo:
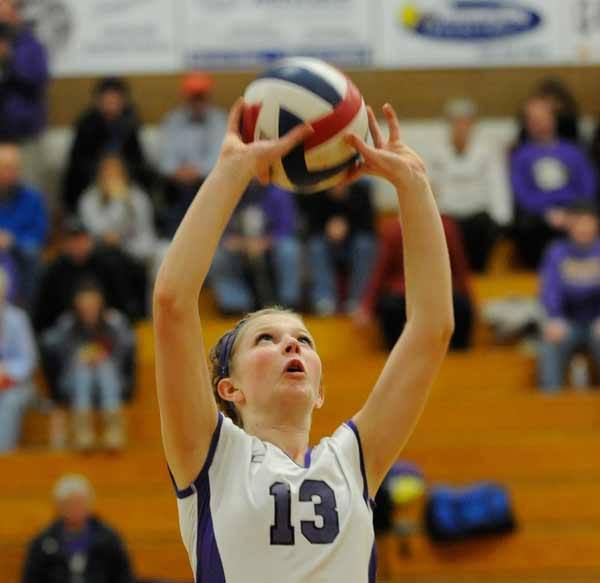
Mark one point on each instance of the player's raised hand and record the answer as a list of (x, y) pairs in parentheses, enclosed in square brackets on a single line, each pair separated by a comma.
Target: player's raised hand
[(391, 159), (259, 156)]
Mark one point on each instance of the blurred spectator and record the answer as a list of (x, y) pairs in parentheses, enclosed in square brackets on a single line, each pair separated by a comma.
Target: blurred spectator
[(191, 138), (110, 125), (564, 107), (257, 263), (595, 155), (547, 175), (341, 239), (117, 212), (570, 293), (385, 293), (78, 546), (90, 347), (80, 258), (23, 81), (23, 221), (17, 363), (471, 183)]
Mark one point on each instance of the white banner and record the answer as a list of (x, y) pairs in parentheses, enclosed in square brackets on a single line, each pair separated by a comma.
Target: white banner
[(581, 22), (249, 33), (471, 33), (107, 36), (96, 37)]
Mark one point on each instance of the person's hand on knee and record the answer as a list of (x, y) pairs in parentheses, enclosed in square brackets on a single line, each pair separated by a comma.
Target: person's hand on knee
[(555, 330)]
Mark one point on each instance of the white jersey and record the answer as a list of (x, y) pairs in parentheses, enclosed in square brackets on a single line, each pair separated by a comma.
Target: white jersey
[(253, 515)]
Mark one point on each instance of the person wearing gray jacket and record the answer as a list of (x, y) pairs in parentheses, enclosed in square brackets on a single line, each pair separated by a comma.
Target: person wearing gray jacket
[(92, 349)]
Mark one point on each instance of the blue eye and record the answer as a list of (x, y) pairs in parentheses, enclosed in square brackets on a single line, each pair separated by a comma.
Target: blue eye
[(305, 340), (264, 336)]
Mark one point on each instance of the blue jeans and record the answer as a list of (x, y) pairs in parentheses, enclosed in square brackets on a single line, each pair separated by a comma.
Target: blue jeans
[(232, 289), (81, 380), (13, 403), (358, 253), (554, 357)]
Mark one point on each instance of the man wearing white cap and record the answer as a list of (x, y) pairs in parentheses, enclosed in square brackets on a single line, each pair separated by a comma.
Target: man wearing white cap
[(77, 547)]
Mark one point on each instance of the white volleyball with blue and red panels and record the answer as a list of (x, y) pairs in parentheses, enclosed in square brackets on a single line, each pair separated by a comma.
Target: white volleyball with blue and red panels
[(303, 90)]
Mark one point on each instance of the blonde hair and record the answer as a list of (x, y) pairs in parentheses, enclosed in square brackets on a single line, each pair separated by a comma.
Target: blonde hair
[(221, 356)]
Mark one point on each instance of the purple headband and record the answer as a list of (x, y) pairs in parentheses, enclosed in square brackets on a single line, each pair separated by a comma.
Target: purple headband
[(225, 354)]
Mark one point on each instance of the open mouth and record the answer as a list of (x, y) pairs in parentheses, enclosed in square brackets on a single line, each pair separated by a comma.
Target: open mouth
[(295, 366)]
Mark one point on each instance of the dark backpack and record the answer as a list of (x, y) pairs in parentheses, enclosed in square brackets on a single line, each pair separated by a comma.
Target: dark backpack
[(482, 509)]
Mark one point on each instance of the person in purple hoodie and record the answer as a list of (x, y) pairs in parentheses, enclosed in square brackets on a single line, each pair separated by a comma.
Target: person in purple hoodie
[(570, 294), (23, 82), (257, 263), (547, 174)]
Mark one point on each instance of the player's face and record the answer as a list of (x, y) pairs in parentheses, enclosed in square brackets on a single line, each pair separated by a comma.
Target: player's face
[(276, 364)]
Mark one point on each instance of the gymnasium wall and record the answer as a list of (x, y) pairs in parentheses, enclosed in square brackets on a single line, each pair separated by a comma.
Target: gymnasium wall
[(416, 93)]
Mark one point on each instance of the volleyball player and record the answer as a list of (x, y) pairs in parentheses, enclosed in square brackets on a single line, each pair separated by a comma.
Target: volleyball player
[(256, 505)]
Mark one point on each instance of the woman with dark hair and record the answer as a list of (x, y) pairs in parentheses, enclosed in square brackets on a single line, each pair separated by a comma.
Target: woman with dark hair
[(110, 124)]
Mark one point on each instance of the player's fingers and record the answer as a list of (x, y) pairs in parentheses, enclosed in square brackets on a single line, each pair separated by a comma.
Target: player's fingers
[(292, 139), (376, 133), (392, 121), (359, 144), (235, 116)]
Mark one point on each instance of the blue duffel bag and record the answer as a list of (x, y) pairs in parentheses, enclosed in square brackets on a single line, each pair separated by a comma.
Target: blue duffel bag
[(460, 513)]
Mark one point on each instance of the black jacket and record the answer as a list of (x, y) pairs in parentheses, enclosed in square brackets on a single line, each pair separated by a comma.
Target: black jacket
[(122, 280), (107, 560), (95, 137)]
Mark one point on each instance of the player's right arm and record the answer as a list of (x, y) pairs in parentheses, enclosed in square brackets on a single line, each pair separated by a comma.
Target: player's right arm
[(188, 412)]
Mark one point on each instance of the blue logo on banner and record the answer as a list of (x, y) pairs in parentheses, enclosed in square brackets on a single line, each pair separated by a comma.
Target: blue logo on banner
[(465, 20)]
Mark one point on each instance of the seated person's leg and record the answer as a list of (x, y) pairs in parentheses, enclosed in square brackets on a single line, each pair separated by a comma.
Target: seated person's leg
[(554, 357), (363, 251), (287, 267), (13, 403), (78, 383), (594, 346), (479, 234), (227, 279), (463, 322), (110, 386), (391, 311), (322, 275)]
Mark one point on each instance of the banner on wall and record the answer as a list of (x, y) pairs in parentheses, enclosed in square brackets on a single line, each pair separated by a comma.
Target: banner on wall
[(582, 21), (95, 37), (471, 33), (250, 33), (107, 36)]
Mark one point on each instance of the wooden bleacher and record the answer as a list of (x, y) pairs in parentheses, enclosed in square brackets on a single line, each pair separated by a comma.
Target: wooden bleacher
[(485, 420)]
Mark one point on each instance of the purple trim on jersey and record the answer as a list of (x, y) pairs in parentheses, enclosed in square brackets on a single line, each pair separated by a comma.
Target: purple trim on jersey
[(209, 567), (307, 458), (373, 565), (209, 458), (352, 426)]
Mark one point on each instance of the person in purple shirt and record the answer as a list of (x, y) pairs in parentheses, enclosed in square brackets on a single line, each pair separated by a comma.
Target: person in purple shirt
[(570, 294), (257, 263), (23, 90), (23, 77), (547, 175)]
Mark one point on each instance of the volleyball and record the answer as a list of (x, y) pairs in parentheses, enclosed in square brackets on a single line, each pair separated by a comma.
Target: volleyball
[(302, 90)]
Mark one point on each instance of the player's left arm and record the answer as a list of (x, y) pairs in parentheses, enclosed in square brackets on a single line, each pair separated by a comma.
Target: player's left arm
[(390, 414)]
